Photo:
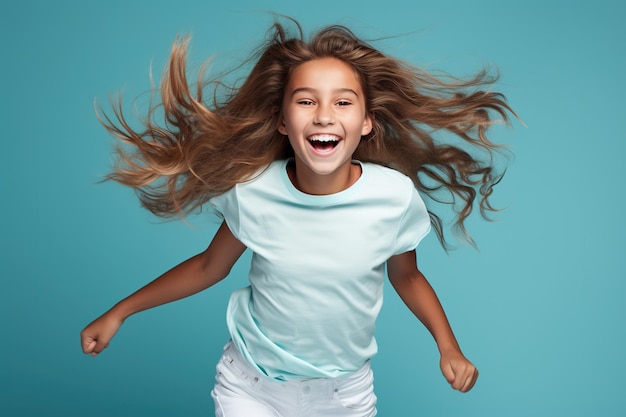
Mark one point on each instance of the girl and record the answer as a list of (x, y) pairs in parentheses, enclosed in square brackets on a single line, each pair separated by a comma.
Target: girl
[(314, 162)]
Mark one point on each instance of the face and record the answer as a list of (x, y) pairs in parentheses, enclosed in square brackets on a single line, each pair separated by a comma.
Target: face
[(324, 116)]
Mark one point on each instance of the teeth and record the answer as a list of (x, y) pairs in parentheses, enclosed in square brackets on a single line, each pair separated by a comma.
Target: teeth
[(324, 138)]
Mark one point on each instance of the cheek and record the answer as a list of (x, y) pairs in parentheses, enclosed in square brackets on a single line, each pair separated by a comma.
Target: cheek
[(288, 122), (296, 146)]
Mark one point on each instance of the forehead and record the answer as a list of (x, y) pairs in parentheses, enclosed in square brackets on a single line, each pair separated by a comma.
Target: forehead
[(324, 73)]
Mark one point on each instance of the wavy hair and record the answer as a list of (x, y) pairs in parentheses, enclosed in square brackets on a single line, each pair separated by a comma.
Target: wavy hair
[(202, 148)]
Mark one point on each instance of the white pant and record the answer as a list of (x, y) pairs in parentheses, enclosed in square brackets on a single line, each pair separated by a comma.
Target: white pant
[(241, 391)]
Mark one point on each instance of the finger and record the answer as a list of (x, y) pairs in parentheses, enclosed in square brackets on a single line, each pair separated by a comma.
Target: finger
[(458, 383), (87, 343), (448, 373), (458, 380), (464, 373), (470, 381), (100, 346)]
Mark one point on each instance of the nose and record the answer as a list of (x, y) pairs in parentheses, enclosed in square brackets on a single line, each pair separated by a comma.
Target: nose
[(324, 115)]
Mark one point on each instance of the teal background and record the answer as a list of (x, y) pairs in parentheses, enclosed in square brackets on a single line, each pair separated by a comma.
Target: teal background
[(539, 308)]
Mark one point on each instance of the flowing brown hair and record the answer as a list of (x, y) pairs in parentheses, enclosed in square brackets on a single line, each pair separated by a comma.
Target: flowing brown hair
[(203, 148)]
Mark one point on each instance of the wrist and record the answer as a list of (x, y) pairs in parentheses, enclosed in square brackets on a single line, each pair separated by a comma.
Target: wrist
[(120, 311), (448, 347)]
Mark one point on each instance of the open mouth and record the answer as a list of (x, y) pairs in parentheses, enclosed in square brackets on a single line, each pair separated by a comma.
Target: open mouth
[(323, 143)]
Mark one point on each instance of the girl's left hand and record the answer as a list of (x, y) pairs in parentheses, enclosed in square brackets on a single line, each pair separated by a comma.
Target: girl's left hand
[(458, 371)]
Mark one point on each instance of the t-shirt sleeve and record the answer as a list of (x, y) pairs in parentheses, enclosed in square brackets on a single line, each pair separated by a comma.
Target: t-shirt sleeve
[(227, 207), (414, 224)]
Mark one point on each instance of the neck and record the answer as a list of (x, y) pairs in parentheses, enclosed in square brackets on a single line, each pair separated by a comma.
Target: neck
[(314, 184)]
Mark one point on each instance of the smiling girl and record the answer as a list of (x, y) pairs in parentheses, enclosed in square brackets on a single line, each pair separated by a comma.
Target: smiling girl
[(324, 118), (318, 164)]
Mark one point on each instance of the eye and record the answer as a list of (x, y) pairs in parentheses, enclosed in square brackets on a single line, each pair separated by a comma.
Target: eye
[(305, 102), (344, 103)]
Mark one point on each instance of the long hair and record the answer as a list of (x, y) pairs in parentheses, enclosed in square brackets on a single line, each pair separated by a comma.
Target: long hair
[(204, 147)]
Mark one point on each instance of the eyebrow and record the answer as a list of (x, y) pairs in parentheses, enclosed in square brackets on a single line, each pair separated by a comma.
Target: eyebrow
[(313, 90)]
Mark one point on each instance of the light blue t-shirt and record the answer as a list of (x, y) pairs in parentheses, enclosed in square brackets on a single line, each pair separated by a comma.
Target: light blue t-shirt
[(318, 267)]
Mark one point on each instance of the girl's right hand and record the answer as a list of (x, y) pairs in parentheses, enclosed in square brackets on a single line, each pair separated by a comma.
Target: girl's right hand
[(191, 276), (96, 336)]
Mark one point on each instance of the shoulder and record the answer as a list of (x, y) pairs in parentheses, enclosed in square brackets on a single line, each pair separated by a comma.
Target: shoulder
[(389, 178), (266, 176), (266, 186), (270, 172), (393, 187)]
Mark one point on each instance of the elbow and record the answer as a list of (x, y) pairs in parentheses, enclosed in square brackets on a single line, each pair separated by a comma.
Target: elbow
[(212, 272), (412, 277)]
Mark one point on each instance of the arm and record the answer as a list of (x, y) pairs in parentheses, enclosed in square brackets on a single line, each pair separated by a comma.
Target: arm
[(420, 298), (190, 277)]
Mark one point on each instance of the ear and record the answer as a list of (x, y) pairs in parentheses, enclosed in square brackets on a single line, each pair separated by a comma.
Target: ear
[(281, 126), (367, 124)]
